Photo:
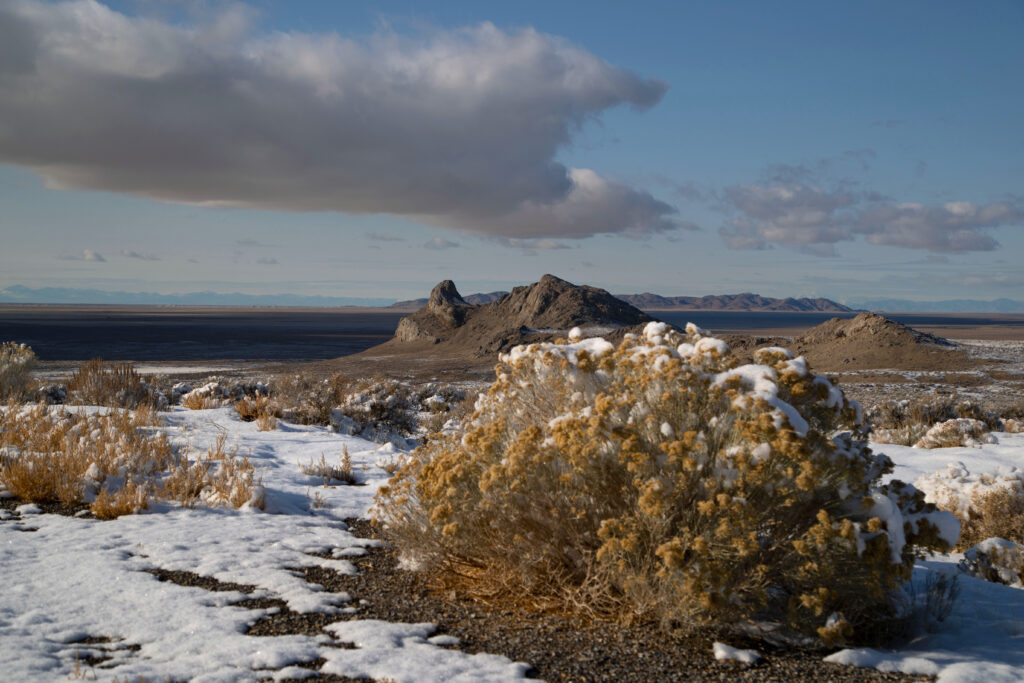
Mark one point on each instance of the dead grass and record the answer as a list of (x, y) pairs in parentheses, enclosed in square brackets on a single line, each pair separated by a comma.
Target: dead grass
[(16, 363), (116, 461), (259, 409), (340, 471)]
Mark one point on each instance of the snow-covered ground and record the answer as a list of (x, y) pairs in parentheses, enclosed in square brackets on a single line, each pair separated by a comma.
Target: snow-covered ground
[(70, 579)]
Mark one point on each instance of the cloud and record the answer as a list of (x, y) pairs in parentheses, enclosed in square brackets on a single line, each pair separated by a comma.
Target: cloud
[(814, 220), (439, 243), (128, 253), (383, 237), (531, 244), (86, 255), (267, 261), (456, 128)]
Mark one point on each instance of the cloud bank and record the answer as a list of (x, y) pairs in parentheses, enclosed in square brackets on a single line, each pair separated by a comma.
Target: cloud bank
[(800, 215), (458, 128)]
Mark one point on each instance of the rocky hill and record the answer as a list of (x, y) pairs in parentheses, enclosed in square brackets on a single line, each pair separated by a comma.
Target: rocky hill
[(870, 341), (731, 302), (539, 311)]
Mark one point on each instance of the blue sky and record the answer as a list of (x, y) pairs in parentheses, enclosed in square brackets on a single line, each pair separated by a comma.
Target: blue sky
[(851, 150)]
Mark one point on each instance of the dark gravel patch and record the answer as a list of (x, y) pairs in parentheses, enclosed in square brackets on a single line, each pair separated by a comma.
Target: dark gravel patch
[(52, 508), (558, 648)]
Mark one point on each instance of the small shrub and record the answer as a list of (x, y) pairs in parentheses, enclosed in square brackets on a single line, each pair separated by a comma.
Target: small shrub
[(210, 395), (1013, 426), (961, 431), (661, 481), (16, 364), (997, 511), (378, 409), (116, 385), (309, 400), (997, 560), (259, 408)]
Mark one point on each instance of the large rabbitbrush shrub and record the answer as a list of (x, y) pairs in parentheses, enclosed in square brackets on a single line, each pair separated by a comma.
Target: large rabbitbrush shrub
[(661, 481)]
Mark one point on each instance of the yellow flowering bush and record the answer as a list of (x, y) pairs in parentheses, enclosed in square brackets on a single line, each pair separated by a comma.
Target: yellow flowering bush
[(663, 480)]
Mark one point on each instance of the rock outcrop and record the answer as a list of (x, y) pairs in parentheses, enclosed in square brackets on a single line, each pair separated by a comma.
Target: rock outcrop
[(545, 309)]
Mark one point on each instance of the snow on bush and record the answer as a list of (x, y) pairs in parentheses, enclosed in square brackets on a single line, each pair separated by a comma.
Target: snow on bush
[(114, 462), (961, 431), (663, 480), (1013, 426), (16, 363), (997, 560)]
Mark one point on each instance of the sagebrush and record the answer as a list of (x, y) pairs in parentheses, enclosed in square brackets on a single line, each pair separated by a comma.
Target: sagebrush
[(16, 364), (661, 481)]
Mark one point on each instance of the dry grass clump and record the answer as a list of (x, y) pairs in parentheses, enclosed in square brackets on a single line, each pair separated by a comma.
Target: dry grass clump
[(340, 471), (259, 409), (116, 385), (660, 481), (52, 455), (16, 364), (1013, 425), (961, 431), (117, 462)]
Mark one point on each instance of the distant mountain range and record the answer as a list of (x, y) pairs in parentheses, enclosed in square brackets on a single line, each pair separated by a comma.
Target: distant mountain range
[(475, 299), (948, 306), (62, 295), (732, 302)]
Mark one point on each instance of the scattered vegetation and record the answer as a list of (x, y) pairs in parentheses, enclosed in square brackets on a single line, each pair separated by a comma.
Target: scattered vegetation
[(996, 511), (997, 560), (905, 423), (260, 409), (660, 481), (116, 462), (16, 363), (961, 431), (115, 385), (309, 400)]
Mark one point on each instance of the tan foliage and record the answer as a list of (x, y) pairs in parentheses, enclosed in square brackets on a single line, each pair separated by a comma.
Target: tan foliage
[(111, 384), (16, 364), (994, 512), (651, 483), (340, 471)]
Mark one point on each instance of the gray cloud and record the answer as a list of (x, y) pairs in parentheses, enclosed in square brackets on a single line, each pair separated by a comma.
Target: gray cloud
[(85, 255), (458, 128), (439, 243), (383, 237), (267, 261), (814, 220), (531, 244), (128, 253)]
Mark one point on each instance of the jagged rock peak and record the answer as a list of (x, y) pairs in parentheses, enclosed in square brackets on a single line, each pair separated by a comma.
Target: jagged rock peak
[(444, 294)]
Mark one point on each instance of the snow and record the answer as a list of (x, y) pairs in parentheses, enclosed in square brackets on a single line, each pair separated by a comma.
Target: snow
[(982, 640), (725, 652), (73, 578)]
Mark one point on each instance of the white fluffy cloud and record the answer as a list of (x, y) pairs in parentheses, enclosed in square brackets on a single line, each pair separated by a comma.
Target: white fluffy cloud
[(801, 215), (458, 128), (84, 255), (439, 243)]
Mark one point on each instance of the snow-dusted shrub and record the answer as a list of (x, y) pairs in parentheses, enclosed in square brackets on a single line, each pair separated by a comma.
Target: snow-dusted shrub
[(378, 409), (987, 504), (50, 455), (326, 471), (996, 559), (306, 399), (210, 395), (1013, 426), (259, 409), (16, 363), (961, 431), (660, 480), (116, 385), (217, 478)]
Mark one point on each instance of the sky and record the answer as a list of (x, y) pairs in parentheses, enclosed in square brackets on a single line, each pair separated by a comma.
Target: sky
[(372, 149)]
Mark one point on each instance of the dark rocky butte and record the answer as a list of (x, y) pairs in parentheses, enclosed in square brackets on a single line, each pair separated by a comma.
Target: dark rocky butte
[(536, 312)]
